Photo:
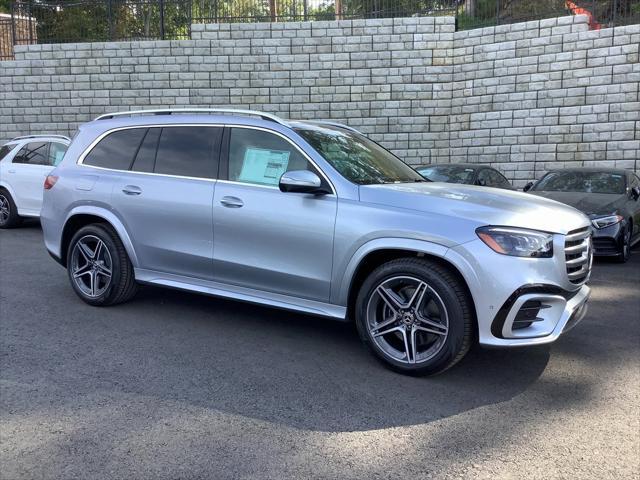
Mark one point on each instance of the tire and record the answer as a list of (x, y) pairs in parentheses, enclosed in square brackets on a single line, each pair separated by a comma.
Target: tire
[(98, 266), (9, 217), (625, 246), (445, 304)]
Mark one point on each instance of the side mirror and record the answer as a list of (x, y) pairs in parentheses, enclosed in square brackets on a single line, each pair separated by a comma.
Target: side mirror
[(635, 193), (301, 181), (527, 187)]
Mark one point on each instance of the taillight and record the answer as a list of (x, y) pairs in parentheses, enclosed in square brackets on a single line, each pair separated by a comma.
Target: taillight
[(50, 181)]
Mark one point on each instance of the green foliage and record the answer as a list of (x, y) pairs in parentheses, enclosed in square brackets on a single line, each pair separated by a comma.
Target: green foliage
[(5, 6)]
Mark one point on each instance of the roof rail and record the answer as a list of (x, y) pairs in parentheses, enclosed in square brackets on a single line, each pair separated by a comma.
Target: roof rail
[(333, 124), (170, 111), (23, 137)]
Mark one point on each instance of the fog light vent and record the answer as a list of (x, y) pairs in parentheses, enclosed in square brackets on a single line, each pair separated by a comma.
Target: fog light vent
[(528, 314)]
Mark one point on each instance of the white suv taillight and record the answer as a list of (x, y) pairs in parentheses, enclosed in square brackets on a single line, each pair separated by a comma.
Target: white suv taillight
[(50, 181)]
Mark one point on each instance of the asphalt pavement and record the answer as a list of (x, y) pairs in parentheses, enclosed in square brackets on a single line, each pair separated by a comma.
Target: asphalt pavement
[(175, 385)]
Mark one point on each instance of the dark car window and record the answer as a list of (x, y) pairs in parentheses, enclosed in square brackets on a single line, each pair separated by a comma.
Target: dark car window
[(498, 180), (260, 157), (357, 158), (56, 153), (589, 182), (188, 151), (4, 150), (484, 178), (34, 153), (146, 156), (448, 173), (116, 150)]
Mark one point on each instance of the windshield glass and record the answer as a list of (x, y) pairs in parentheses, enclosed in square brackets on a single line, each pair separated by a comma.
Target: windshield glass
[(448, 173), (589, 182), (357, 158)]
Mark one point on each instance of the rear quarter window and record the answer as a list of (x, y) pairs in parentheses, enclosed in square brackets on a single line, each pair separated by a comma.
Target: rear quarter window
[(117, 150)]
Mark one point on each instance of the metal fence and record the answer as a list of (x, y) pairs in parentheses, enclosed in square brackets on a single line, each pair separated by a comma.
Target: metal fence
[(58, 21)]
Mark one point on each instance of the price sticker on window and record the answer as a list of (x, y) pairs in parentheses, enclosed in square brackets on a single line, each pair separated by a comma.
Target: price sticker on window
[(264, 166)]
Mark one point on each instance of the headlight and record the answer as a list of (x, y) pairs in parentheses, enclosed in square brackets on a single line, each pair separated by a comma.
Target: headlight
[(604, 222), (517, 242)]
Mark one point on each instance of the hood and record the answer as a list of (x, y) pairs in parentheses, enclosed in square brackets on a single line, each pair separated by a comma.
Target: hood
[(592, 204), (480, 205)]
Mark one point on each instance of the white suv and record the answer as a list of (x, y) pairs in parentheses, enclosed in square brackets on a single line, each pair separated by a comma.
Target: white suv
[(25, 163)]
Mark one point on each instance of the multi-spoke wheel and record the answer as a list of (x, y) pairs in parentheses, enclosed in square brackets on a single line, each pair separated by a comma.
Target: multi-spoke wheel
[(625, 245), (91, 266), (8, 211), (98, 266), (415, 315)]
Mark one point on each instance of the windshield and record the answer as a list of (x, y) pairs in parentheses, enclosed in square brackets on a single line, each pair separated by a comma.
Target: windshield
[(448, 173), (357, 158), (589, 182)]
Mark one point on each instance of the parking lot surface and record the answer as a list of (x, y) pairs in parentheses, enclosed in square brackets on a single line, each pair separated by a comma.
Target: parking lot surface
[(175, 385)]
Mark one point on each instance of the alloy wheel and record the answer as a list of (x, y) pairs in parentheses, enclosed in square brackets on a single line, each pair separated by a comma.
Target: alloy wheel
[(5, 209), (91, 266), (407, 319)]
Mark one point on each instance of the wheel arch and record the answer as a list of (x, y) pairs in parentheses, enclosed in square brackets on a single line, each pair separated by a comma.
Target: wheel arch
[(81, 217), (375, 253)]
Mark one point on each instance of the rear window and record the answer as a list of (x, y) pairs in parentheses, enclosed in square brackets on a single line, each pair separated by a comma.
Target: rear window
[(116, 150), (5, 149), (187, 151), (34, 153)]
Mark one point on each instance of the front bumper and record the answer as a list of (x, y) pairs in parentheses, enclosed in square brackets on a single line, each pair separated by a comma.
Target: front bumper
[(607, 242), (503, 287)]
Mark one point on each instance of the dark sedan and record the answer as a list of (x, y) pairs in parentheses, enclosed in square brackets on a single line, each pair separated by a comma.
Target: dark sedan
[(468, 173), (611, 199)]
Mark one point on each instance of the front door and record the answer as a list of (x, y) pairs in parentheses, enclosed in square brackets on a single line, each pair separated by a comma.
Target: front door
[(263, 238)]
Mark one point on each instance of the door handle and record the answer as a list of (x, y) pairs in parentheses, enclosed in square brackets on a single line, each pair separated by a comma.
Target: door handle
[(12, 171), (231, 202), (132, 190)]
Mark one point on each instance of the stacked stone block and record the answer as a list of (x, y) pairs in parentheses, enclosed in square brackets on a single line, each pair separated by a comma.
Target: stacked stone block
[(524, 97)]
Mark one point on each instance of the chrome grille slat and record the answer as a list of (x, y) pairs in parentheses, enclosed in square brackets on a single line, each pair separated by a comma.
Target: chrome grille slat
[(578, 255)]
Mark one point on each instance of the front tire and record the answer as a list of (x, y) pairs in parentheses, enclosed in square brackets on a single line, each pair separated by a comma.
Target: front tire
[(9, 217), (98, 266), (415, 316), (625, 246)]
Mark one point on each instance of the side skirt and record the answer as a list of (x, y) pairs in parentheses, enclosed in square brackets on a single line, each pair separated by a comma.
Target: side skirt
[(241, 293)]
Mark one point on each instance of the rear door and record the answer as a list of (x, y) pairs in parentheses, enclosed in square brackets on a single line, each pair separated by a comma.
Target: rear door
[(26, 174), (164, 195)]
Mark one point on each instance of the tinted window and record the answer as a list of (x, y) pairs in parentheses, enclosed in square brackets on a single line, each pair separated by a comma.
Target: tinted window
[(116, 150), (484, 178), (187, 151), (357, 158), (448, 173), (260, 157), (589, 182), (499, 180), (56, 153), (33, 154), (146, 157), (4, 150)]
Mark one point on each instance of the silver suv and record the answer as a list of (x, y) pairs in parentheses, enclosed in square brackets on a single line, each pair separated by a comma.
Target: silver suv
[(317, 218)]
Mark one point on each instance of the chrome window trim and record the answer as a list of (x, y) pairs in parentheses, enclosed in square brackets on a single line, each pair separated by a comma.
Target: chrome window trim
[(100, 137)]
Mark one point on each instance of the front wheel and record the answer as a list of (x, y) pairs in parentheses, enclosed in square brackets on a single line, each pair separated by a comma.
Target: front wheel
[(415, 315), (98, 266), (625, 246)]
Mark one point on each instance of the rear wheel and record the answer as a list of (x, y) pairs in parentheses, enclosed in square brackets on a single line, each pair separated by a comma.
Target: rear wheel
[(98, 266), (415, 316), (9, 217)]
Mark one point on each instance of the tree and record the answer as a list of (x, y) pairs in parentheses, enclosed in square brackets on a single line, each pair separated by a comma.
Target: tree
[(5, 6)]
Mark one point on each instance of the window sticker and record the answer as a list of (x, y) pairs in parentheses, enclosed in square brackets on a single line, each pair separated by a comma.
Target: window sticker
[(264, 166)]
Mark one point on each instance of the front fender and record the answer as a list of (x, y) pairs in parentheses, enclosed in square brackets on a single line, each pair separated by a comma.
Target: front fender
[(113, 220), (340, 296)]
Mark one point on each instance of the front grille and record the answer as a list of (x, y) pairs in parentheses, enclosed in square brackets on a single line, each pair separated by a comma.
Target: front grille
[(578, 254), (605, 246)]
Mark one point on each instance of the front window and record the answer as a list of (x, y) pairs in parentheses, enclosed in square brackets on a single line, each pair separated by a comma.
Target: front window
[(448, 174), (357, 158), (589, 182)]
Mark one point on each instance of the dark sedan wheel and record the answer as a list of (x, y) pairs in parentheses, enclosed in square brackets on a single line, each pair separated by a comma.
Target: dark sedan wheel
[(415, 316), (625, 247)]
